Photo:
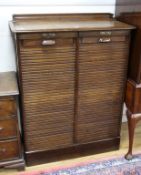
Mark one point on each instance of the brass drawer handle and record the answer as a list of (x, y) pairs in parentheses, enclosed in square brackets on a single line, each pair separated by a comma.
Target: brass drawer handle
[(104, 40), (48, 42), (1, 128), (3, 150)]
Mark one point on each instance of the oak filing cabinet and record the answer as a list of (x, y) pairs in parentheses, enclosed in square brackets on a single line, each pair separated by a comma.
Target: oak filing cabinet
[(72, 73), (11, 155)]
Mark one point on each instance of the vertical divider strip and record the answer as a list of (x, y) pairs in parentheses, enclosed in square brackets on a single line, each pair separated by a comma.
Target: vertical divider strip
[(76, 91)]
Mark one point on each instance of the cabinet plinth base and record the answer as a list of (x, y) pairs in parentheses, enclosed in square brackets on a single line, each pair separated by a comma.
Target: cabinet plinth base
[(35, 158)]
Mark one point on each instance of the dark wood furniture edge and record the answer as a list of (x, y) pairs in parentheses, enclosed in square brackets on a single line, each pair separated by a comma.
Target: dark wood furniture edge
[(33, 158), (18, 164), (134, 84), (130, 100), (66, 16)]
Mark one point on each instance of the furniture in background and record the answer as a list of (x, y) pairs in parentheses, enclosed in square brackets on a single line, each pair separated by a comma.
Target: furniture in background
[(127, 6), (133, 92), (72, 74), (10, 144)]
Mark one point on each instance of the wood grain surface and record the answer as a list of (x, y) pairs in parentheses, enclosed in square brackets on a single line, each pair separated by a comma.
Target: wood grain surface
[(72, 71), (10, 136), (67, 22), (8, 84)]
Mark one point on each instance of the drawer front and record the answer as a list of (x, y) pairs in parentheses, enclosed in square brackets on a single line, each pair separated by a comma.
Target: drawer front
[(43, 43), (8, 128), (103, 37), (9, 150), (7, 107), (104, 33), (102, 75), (48, 74), (48, 35)]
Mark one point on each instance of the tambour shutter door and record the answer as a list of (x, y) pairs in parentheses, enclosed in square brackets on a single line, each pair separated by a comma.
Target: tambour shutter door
[(48, 70), (102, 71)]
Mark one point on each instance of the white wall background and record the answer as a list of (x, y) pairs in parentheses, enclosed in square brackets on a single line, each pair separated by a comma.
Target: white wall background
[(10, 7)]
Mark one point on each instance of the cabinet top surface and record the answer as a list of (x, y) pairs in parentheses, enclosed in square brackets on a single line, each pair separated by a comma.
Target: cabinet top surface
[(8, 84), (65, 22)]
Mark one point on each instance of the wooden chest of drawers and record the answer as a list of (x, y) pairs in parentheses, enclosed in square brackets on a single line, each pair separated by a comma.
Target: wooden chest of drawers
[(10, 144), (133, 90), (72, 71)]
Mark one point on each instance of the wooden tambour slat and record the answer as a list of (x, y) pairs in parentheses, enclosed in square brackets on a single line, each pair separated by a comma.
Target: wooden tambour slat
[(60, 140), (72, 72), (66, 116), (102, 69), (92, 132), (48, 74)]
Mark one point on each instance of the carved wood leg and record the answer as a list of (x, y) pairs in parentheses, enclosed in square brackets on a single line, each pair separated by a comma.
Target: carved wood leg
[(131, 129)]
